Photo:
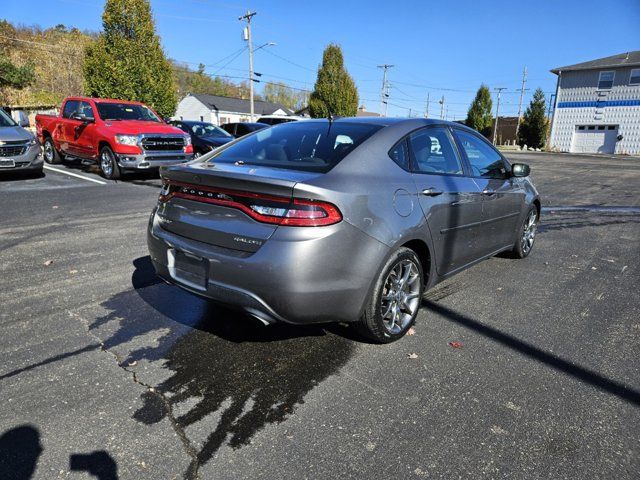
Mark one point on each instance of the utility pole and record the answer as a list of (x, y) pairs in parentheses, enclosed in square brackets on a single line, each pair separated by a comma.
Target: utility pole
[(495, 125), (248, 16), (384, 91), (522, 90), (410, 112), (426, 112), (441, 102)]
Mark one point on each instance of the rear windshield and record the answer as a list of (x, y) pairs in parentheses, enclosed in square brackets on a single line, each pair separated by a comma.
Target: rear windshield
[(306, 145), (125, 111)]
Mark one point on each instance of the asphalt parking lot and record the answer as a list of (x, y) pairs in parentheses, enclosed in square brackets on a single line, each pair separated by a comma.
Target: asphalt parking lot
[(109, 373)]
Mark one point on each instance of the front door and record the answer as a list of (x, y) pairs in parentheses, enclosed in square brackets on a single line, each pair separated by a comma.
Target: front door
[(503, 196), (451, 201), (82, 131)]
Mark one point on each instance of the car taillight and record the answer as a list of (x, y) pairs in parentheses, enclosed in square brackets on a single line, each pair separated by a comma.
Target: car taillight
[(293, 212)]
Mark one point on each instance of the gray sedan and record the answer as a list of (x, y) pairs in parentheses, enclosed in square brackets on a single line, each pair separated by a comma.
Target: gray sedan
[(19, 149), (340, 220)]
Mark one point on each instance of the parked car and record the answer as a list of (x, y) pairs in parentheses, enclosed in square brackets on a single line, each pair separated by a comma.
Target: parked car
[(240, 129), (204, 136), (119, 135), (345, 220), (19, 149), (277, 119)]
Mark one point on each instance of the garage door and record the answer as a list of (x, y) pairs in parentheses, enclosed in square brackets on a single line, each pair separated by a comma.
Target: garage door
[(594, 139)]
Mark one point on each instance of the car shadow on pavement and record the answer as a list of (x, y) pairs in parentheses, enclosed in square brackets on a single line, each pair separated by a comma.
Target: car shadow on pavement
[(226, 375), (21, 447), (582, 374)]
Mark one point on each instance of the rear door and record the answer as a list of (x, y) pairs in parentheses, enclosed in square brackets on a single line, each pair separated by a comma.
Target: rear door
[(451, 201), (502, 197)]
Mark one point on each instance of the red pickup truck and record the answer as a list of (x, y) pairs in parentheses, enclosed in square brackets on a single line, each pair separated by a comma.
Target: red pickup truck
[(119, 135)]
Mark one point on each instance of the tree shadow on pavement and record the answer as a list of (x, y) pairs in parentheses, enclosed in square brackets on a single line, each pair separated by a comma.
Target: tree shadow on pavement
[(223, 364), (582, 374)]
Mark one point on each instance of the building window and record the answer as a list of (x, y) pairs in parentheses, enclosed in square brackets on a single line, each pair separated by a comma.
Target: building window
[(581, 127), (201, 118), (592, 127), (611, 127), (600, 127), (605, 82), (634, 78)]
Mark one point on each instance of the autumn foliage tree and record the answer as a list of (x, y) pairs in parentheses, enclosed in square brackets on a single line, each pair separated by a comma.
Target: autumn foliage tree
[(335, 92), (127, 61)]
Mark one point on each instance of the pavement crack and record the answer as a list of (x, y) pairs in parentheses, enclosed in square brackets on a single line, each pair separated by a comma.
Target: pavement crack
[(194, 466)]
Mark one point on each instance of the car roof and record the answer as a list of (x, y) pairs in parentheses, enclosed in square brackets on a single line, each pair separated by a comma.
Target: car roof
[(194, 122), (388, 121), (104, 100)]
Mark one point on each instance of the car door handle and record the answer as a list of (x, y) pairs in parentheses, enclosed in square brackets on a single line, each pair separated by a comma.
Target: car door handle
[(431, 192), (488, 192)]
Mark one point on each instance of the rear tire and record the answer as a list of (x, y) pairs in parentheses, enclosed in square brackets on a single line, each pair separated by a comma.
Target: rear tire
[(526, 234), (50, 154), (108, 164), (395, 299)]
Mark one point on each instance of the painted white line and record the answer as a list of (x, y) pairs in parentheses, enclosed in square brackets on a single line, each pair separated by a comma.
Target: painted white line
[(65, 172)]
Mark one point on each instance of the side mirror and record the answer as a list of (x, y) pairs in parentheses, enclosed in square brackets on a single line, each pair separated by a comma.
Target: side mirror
[(24, 123), (520, 170)]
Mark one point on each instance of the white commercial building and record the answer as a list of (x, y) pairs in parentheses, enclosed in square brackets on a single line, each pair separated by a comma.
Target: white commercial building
[(219, 110), (597, 106)]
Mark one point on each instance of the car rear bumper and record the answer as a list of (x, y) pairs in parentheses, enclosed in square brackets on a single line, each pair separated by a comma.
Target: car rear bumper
[(300, 275), (30, 160), (152, 159)]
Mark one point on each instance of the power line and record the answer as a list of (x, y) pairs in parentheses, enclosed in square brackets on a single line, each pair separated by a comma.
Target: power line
[(384, 90)]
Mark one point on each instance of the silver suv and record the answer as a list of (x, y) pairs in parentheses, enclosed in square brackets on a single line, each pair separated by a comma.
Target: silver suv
[(19, 149)]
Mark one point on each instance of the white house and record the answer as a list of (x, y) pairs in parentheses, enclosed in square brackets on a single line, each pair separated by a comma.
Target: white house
[(598, 106), (220, 110)]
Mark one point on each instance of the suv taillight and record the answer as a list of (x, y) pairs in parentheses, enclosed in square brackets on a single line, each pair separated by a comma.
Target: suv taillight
[(293, 212)]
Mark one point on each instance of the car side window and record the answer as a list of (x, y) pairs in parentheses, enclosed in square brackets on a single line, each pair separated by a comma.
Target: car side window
[(85, 110), (400, 155), (484, 160), (70, 108), (241, 130), (434, 152)]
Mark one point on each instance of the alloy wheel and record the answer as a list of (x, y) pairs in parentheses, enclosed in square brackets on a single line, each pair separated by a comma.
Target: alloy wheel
[(106, 163), (529, 232), (48, 151), (400, 296)]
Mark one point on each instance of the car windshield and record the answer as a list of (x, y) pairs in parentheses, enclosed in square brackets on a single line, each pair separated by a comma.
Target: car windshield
[(310, 146), (126, 111), (6, 120), (208, 130)]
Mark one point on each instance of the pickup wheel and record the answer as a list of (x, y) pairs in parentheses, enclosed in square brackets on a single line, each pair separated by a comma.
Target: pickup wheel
[(108, 164), (51, 155)]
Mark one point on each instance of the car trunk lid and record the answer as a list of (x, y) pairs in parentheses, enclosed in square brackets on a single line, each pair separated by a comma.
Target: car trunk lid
[(225, 205)]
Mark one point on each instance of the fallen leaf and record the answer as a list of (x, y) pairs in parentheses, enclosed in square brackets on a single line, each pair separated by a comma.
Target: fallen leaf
[(73, 272), (411, 331), (623, 269), (594, 268), (413, 355), (54, 207), (47, 263), (456, 344)]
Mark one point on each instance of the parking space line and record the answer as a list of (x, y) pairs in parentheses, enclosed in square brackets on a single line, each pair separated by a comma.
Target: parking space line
[(72, 174)]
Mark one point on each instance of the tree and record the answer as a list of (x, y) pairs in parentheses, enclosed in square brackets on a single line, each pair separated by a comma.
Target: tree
[(533, 129), (14, 76), (127, 61), (479, 114), (335, 92), (284, 95)]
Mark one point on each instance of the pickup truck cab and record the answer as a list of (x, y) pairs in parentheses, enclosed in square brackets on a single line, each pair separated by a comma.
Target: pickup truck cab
[(119, 135)]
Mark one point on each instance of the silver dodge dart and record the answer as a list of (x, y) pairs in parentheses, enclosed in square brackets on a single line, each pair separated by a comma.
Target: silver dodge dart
[(345, 220)]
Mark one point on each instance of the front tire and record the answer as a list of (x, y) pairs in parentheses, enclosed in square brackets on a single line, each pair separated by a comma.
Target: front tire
[(395, 299), (526, 234), (50, 154), (108, 164)]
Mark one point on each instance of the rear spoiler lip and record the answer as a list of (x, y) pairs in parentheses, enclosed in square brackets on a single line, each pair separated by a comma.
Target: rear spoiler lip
[(229, 180)]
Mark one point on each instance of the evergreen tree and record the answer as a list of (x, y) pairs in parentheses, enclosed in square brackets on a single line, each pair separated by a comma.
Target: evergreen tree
[(14, 76), (335, 92), (127, 61), (479, 114), (533, 128)]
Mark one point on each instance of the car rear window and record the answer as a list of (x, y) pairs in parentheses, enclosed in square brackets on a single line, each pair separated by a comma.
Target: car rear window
[(306, 145)]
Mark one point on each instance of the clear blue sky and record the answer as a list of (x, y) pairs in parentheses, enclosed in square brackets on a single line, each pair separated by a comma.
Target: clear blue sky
[(444, 48)]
